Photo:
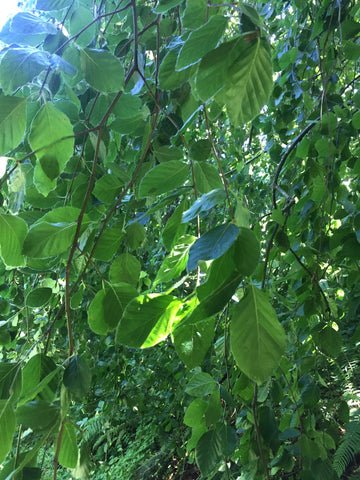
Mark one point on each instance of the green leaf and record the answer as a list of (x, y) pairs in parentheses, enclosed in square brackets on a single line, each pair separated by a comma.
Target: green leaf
[(200, 150), (38, 415), (107, 188), (169, 78), (135, 235), (176, 173), (40, 379), (7, 428), (12, 122), (13, 231), (69, 452), (38, 297), (175, 262), (211, 74), (193, 341), (195, 412), (203, 204), (194, 15), (257, 338), (109, 243), (330, 341), (147, 320), (200, 385), (20, 66), (77, 377), (165, 5), (201, 41), (102, 70), (10, 381), (208, 452), (49, 134), (49, 5), (26, 29), (249, 82), (125, 268), (46, 240), (129, 113), (212, 244), (239, 260), (207, 177), (107, 307), (229, 441), (82, 20), (174, 228)]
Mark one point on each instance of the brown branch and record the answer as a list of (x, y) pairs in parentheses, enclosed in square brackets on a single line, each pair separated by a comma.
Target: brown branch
[(284, 157)]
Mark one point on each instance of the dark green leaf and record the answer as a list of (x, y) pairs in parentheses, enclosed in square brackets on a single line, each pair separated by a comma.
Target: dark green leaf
[(77, 377), (208, 452), (212, 244), (38, 415), (203, 204), (38, 297)]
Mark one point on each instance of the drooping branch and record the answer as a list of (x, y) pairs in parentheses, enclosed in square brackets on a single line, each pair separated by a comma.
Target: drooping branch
[(284, 157)]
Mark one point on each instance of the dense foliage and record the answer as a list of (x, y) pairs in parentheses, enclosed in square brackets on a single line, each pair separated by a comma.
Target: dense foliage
[(180, 240)]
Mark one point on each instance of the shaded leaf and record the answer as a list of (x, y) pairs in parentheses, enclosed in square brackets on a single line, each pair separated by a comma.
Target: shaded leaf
[(212, 244), (77, 377), (107, 307), (208, 452), (38, 415), (204, 203)]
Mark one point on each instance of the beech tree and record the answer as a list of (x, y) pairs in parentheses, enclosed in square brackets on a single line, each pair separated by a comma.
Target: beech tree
[(180, 240)]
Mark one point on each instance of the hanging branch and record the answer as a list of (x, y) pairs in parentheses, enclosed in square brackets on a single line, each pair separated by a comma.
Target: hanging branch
[(284, 157)]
